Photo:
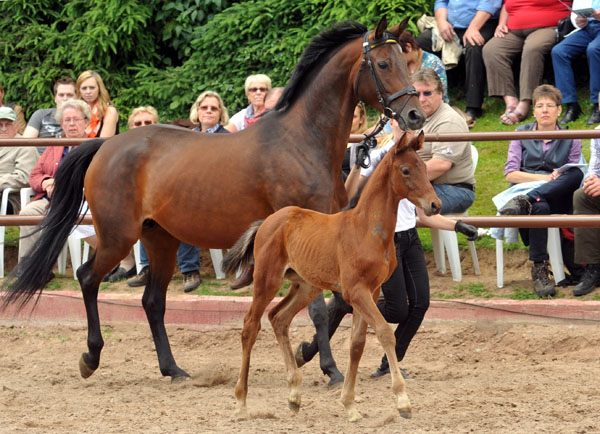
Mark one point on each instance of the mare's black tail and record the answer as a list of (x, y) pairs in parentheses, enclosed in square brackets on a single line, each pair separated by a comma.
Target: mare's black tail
[(31, 274), (242, 251)]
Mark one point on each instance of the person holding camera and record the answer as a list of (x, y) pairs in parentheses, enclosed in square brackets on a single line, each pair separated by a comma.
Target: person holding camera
[(585, 16)]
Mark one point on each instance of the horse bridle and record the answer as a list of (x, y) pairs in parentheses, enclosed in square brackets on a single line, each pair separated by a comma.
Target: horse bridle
[(369, 142)]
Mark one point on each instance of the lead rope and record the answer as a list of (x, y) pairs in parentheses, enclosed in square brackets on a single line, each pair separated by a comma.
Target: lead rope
[(363, 159)]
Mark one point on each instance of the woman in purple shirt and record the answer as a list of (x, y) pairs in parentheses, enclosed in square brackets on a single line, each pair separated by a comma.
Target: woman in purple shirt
[(538, 160)]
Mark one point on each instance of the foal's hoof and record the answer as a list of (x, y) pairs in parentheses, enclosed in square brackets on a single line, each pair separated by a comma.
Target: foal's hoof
[(298, 355), (406, 414), (84, 369), (294, 406)]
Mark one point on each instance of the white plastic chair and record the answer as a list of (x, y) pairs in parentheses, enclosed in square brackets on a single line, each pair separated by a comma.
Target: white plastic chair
[(446, 242), (554, 251), (73, 244), (3, 208)]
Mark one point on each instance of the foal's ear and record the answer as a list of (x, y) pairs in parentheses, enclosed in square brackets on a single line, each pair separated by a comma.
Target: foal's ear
[(381, 27), (399, 28), (403, 143), (417, 141)]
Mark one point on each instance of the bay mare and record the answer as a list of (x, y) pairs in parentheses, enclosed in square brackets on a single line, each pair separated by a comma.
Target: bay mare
[(351, 252), (162, 184)]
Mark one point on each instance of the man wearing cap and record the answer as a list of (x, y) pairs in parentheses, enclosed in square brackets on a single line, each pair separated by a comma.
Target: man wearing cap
[(16, 162), (42, 123)]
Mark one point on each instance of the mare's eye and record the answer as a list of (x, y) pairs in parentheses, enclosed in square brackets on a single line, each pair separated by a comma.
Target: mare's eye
[(405, 171), (382, 65)]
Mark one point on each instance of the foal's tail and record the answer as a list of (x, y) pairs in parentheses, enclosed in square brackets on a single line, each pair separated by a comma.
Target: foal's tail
[(31, 274), (242, 251)]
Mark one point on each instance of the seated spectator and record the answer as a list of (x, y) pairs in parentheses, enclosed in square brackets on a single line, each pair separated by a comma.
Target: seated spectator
[(472, 24), (256, 88), (16, 162), (210, 113), (586, 200), (105, 118), (538, 160), (16, 108), (528, 28), (272, 97), (73, 115), (43, 122), (141, 116), (449, 164), (585, 40), (416, 59), (359, 126)]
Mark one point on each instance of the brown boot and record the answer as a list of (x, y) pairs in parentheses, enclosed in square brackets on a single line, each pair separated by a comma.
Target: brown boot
[(245, 278), (542, 284)]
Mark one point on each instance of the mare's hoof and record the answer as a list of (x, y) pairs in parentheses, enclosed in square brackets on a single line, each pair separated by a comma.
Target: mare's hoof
[(84, 369), (336, 379), (406, 414), (180, 378), (298, 355)]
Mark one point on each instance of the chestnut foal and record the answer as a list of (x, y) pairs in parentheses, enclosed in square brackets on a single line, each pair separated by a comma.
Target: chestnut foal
[(351, 252)]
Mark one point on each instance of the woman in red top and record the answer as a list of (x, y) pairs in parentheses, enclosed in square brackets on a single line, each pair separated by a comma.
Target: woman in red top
[(105, 118), (528, 28)]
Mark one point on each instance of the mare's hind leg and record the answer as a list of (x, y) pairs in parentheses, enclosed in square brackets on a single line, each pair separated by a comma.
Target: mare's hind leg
[(266, 285), (319, 316), (366, 313), (300, 296), (162, 255), (90, 275)]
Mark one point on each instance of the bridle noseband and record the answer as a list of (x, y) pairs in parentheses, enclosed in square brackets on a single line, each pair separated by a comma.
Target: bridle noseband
[(362, 151)]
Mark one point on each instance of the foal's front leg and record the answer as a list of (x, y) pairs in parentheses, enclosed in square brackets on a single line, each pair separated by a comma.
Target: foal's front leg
[(357, 346), (364, 305)]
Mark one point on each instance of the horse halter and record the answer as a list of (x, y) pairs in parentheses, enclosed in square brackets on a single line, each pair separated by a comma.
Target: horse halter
[(382, 96), (369, 142)]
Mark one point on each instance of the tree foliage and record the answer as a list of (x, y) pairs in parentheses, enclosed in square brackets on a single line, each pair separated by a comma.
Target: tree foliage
[(165, 53)]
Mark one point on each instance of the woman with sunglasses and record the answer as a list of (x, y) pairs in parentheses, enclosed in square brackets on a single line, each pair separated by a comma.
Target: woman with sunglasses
[(105, 118), (142, 116), (210, 113), (256, 88)]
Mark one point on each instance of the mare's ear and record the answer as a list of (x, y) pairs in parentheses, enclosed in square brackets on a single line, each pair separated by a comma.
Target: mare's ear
[(399, 28), (381, 27), (403, 142)]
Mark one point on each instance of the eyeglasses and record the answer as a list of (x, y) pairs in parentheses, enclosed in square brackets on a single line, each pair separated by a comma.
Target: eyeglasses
[(541, 106), (140, 123), (206, 108), (425, 93), (72, 120), (256, 89)]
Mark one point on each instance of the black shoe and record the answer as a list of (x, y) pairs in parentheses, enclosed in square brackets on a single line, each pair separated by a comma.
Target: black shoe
[(589, 281), (518, 205), (120, 273), (141, 279), (245, 278), (595, 116), (573, 112), (474, 112), (542, 285), (191, 281)]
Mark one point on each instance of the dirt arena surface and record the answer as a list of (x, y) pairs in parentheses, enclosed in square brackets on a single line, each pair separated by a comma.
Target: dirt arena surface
[(479, 377)]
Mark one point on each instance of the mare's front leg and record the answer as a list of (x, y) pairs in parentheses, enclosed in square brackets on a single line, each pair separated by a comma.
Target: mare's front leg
[(362, 300), (300, 295), (162, 255), (319, 316)]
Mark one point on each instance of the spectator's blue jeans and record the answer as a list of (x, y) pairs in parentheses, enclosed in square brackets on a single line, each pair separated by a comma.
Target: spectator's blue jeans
[(586, 40), (188, 258), (454, 199)]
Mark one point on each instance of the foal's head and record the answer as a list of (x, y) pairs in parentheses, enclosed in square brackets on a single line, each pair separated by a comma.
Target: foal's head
[(409, 174)]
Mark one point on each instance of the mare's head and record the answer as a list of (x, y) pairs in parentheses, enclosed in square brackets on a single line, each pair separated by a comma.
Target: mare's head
[(409, 174), (383, 79)]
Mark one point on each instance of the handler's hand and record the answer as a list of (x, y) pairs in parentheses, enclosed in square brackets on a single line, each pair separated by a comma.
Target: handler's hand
[(464, 228), (591, 186)]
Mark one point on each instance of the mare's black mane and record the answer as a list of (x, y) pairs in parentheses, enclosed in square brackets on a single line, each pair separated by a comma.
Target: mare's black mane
[(314, 52)]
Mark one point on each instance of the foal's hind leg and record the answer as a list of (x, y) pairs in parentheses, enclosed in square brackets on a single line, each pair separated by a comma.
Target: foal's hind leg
[(366, 312), (281, 317), (89, 275), (162, 255), (319, 316)]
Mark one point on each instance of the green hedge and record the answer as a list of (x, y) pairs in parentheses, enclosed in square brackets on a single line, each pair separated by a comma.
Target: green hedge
[(165, 53)]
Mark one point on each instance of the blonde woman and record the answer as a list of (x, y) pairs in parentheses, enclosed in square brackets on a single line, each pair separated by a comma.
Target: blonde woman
[(210, 113), (256, 88), (105, 118)]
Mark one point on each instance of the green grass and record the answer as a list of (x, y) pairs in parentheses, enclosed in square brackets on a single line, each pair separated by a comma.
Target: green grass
[(468, 290)]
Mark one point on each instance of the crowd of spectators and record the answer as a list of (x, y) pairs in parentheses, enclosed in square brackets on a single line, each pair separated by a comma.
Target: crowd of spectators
[(490, 39)]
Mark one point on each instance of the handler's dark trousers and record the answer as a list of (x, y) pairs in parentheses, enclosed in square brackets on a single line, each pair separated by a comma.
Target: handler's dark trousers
[(587, 240)]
